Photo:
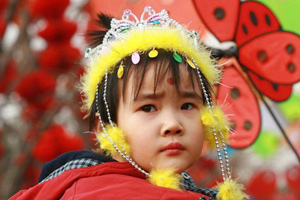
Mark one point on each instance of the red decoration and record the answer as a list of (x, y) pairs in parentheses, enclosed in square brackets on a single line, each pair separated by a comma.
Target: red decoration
[(54, 142), (30, 177), (21, 159), (53, 9), (59, 57), (293, 180), (37, 88), (31, 134), (3, 4), (262, 185), (2, 27), (203, 171), (10, 73), (220, 17), (2, 151), (58, 31)]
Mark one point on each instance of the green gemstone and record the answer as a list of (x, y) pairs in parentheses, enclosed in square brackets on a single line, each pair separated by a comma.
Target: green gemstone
[(177, 57), (87, 52)]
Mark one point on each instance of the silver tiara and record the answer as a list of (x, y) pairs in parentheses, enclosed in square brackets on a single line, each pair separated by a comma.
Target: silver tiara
[(124, 25)]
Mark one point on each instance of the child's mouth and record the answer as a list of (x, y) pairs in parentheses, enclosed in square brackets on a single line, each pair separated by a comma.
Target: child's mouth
[(173, 148)]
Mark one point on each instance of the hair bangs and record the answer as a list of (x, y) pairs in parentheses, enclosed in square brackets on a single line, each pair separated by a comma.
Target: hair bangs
[(164, 64)]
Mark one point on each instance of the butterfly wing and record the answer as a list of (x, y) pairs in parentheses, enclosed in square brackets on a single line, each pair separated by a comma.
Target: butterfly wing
[(255, 19), (220, 17), (241, 107), (274, 56), (273, 91)]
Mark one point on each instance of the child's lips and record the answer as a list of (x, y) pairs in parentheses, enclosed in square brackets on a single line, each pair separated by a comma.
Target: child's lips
[(173, 148)]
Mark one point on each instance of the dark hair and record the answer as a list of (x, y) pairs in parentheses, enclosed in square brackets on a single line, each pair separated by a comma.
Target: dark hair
[(164, 62)]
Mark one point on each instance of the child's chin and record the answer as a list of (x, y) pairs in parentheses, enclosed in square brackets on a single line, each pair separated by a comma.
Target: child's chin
[(172, 165)]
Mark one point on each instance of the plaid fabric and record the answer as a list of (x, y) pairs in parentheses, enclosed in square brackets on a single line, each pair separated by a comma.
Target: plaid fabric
[(74, 164), (189, 184)]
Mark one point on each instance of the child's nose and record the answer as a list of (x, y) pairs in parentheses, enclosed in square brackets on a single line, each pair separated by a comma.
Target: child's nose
[(172, 126), (172, 131)]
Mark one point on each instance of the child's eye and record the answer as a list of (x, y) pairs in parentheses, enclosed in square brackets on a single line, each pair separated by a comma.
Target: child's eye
[(148, 108), (187, 106)]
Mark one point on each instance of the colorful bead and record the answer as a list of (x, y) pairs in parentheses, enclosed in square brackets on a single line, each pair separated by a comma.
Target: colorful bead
[(127, 12), (153, 53), (124, 29), (191, 64), (120, 71), (148, 8), (135, 58), (87, 52), (177, 57)]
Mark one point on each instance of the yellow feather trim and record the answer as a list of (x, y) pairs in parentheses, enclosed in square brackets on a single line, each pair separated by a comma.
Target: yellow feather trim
[(165, 178), (214, 118), (117, 136), (231, 190), (167, 38)]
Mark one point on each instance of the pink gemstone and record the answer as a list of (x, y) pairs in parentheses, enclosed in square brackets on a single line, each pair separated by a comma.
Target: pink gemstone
[(148, 8), (154, 18), (123, 24), (135, 58), (127, 12)]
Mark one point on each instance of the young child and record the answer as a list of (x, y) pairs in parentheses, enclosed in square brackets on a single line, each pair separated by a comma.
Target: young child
[(147, 87)]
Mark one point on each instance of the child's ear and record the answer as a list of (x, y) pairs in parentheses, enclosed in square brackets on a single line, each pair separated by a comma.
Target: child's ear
[(97, 126), (204, 149)]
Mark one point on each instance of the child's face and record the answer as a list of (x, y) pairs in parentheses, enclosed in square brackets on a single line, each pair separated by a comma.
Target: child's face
[(164, 130)]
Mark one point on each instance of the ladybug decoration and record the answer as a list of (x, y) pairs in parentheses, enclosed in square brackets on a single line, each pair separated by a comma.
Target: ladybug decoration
[(268, 56)]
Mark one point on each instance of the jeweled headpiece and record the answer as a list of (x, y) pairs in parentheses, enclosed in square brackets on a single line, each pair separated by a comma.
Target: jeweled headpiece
[(134, 37)]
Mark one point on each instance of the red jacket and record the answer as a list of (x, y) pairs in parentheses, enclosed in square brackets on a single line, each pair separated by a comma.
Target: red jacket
[(111, 180)]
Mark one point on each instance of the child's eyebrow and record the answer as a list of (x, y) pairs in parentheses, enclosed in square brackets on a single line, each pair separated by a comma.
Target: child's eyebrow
[(184, 94), (148, 96), (190, 94)]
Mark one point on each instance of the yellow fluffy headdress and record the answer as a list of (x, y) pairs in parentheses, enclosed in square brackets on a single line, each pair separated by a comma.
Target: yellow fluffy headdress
[(231, 190), (213, 118), (113, 136)]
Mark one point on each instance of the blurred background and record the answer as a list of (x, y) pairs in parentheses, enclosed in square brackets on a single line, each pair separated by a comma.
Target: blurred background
[(42, 45)]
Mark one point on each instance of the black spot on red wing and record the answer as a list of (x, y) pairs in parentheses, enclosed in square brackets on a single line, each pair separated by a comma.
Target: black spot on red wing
[(219, 13), (268, 20), (235, 93), (275, 86), (232, 125), (253, 18), (289, 49), (247, 125), (262, 56), (291, 67), (245, 29)]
